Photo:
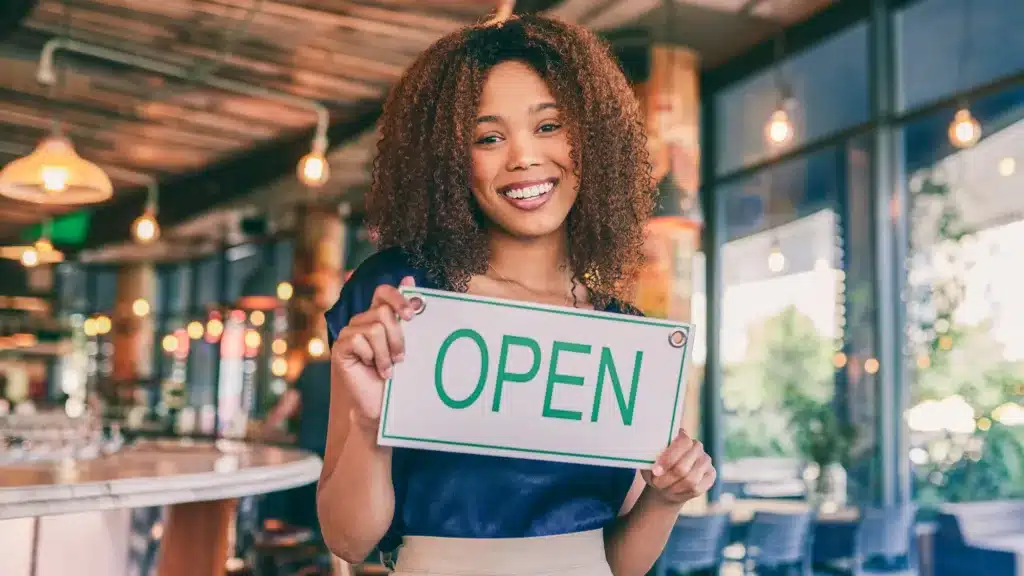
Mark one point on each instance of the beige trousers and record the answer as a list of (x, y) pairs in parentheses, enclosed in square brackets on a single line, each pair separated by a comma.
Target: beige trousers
[(578, 554)]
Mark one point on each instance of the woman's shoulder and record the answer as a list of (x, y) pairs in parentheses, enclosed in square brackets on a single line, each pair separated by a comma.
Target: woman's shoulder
[(386, 266)]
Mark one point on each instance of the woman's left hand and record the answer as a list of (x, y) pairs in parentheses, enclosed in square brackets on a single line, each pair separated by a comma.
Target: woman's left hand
[(682, 472)]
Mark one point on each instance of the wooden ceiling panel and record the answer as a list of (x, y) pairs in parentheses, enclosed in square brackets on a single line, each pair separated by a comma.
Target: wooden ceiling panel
[(339, 53)]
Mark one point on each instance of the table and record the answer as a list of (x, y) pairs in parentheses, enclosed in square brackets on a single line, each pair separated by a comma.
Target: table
[(199, 481)]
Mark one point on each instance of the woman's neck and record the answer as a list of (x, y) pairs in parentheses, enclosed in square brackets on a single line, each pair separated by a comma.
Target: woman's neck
[(539, 264)]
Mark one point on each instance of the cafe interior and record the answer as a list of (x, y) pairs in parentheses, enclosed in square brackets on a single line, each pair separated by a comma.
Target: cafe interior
[(840, 216)]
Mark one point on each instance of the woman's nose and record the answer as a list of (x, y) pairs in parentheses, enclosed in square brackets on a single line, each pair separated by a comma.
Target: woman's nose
[(522, 153)]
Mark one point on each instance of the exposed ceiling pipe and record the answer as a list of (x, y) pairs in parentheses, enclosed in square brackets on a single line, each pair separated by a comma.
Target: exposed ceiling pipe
[(47, 75)]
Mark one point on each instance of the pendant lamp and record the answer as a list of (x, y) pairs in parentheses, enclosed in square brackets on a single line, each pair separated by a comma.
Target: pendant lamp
[(55, 174)]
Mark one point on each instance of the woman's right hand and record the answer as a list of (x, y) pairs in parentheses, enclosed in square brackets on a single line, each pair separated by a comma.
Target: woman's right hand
[(368, 347)]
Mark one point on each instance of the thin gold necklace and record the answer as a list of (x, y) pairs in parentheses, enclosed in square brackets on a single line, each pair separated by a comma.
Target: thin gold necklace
[(503, 278)]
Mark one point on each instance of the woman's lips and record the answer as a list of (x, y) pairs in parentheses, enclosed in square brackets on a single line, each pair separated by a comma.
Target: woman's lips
[(528, 195)]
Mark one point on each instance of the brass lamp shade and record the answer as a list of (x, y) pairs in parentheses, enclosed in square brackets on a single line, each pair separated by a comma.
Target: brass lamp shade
[(54, 174)]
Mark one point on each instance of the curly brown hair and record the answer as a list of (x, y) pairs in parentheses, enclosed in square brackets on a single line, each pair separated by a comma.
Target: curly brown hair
[(421, 200)]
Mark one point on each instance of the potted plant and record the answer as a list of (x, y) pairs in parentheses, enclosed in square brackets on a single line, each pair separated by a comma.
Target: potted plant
[(824, 441)]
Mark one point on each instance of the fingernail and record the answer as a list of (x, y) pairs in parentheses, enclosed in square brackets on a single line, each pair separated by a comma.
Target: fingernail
[(387, 373), (657, 470), (398, 357)]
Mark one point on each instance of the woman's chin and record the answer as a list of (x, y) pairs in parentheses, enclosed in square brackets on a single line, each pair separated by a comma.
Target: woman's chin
[(534, 227)]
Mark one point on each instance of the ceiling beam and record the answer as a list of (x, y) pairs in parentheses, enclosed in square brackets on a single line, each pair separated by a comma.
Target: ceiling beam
[(185, 197)]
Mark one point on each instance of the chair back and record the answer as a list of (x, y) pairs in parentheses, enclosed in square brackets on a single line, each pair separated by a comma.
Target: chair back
[(779, 539), (696, 543), (886, 532)]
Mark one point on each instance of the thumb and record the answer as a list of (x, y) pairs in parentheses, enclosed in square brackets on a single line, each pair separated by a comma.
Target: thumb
[(408, 281)]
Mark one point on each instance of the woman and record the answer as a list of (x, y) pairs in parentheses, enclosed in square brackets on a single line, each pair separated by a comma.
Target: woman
[(512, 164)]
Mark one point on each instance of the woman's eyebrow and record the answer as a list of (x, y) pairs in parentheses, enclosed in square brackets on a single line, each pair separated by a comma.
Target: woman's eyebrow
[(533, 110)]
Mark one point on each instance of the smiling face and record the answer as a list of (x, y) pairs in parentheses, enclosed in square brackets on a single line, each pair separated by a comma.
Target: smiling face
[(522, 169)]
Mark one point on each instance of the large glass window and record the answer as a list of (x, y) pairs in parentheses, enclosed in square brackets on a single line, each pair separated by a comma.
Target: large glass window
[(949, 46), (829, 89), (966, 320), (784, 318)]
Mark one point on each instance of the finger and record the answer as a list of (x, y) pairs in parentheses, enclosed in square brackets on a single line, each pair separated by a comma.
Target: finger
[(672, 454), (683, 468), (709, 480), (376, 335), (352, 343), (697, 482), (361, 349), (408, 281), (392, 331), (386, 295)]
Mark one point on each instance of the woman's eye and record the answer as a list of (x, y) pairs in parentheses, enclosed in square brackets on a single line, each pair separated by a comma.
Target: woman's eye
[(549, 127), (489, 139)]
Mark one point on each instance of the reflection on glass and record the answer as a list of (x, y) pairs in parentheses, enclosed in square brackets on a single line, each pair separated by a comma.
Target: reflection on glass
[(829, 85), (783, 325), (965, 338), (948, 46)]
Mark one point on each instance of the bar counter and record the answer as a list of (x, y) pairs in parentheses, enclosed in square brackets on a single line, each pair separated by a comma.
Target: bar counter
[(198, 481)]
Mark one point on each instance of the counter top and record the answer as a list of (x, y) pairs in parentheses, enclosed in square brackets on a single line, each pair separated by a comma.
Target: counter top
[(153, 473)]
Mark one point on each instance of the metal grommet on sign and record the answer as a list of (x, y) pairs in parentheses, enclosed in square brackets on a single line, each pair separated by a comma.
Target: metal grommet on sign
[(677, 339), (418, 304)]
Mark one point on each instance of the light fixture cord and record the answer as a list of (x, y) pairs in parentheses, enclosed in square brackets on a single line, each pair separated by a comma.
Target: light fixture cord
[(965, 48), (152, 197), (56, 120), (779, 45)]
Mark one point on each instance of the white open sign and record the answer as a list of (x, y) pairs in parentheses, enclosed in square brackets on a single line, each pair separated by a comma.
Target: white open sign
[(507, 378)]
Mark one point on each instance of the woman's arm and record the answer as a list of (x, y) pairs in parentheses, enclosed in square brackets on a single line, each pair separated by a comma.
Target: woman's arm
[(355, 498), (638, 537)]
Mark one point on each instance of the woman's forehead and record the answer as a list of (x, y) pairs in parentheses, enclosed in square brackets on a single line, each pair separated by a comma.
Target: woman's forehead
[(515, 87)]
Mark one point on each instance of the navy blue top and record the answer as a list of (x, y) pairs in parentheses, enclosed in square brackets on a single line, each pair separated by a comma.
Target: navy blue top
[(451, 495)]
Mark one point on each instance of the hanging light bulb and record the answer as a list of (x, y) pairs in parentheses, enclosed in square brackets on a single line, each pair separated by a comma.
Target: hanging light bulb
[(964, 130), (779, 129), (30, 257), (55, 174), (776, 259), (313, 170), (145, 228)]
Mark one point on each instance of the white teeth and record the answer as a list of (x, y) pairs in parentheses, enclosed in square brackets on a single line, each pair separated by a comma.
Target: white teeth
[(530, 191)]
